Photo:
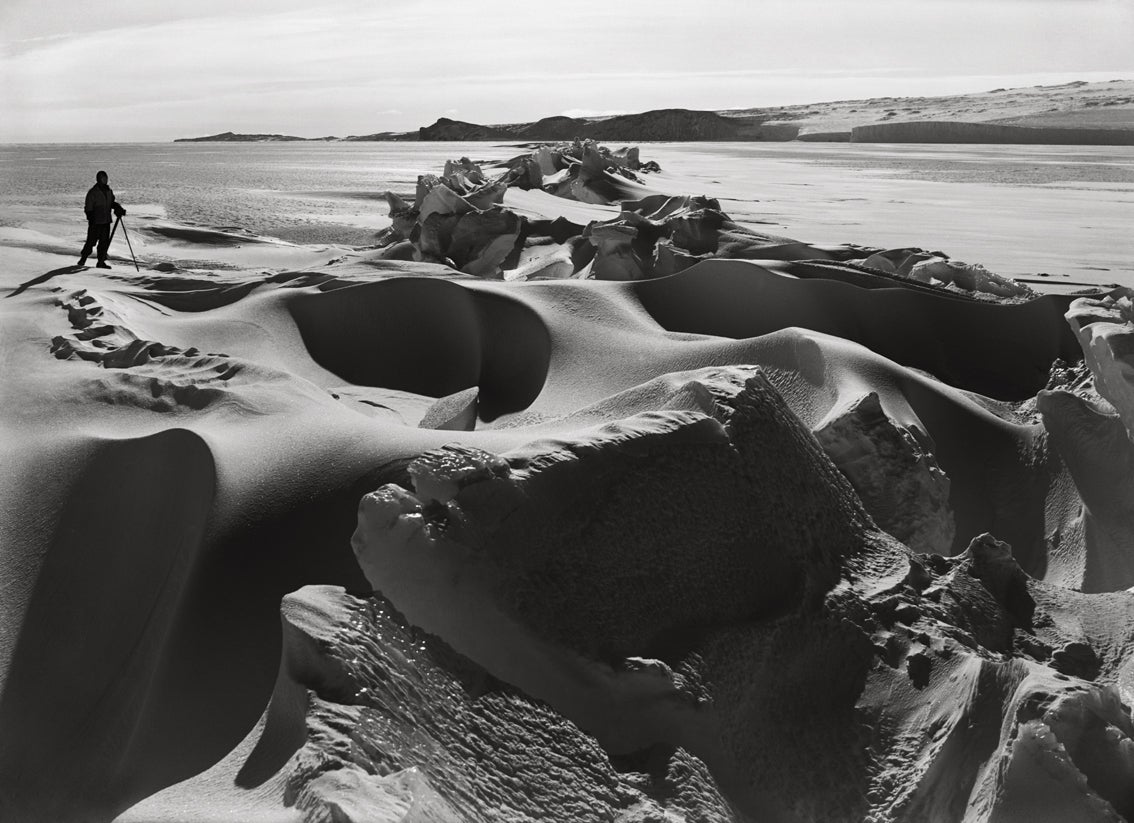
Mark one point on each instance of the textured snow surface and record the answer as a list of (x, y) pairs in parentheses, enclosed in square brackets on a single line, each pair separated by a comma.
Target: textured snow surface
[(792, 539)]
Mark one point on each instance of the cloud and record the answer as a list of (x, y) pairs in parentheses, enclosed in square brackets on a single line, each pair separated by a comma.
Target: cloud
[(152, 72)]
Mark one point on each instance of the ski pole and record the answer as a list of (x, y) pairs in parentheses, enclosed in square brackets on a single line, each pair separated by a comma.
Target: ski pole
[(126, 234)]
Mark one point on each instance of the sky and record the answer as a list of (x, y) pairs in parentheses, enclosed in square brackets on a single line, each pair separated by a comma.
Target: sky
[(149, 70)]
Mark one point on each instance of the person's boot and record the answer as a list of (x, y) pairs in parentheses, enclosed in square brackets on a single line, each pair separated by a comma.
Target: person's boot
[(102, 264), (83, 260)]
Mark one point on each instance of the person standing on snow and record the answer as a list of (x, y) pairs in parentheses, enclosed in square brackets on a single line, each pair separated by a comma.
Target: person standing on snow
[(99, 205)]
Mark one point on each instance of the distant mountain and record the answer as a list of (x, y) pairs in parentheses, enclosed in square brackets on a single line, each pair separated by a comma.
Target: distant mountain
[(1070, 113), (1056, 112), (446, 129), (661, 124), (229, 137)]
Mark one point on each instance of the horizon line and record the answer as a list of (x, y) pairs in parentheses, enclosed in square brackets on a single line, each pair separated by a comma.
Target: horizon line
[(577, 117)]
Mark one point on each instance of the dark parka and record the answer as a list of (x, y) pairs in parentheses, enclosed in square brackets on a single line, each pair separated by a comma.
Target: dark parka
[(100, 204)]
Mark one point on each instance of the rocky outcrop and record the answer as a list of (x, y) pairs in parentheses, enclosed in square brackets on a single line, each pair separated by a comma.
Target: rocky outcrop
[(446, 129), (664, 124), (552, 128)]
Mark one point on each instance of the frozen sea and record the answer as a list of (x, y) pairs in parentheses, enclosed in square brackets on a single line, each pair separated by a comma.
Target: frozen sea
[(1061, 214)]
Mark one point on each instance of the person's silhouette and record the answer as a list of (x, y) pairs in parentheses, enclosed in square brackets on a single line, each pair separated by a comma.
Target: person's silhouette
[(99, 204)]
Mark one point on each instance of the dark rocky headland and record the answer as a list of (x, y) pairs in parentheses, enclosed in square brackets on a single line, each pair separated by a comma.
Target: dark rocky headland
[(1076, 113)]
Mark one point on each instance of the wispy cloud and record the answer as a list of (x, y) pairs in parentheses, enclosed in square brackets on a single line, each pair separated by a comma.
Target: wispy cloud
[(146, 71)]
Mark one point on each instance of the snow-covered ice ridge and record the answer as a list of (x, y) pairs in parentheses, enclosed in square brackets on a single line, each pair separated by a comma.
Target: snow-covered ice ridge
[(569, 499)]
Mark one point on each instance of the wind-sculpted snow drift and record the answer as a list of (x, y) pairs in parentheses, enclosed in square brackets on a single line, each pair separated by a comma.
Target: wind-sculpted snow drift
[(584, 502)]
